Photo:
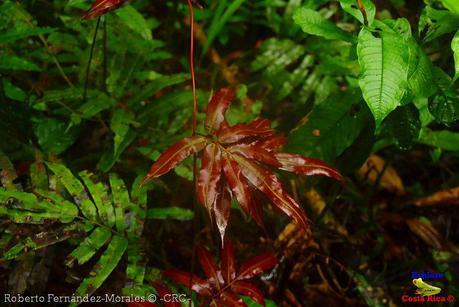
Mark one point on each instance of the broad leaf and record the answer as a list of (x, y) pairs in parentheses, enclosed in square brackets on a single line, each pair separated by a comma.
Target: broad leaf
[(314, 23), (383, 78)]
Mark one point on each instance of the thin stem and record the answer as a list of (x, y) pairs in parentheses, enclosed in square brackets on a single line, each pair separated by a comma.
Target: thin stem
[(193, 85), (91, 53), (193, 78), (105, 55)]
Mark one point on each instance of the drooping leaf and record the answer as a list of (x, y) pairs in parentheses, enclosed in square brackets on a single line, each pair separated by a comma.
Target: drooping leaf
[(270, 185), (216, 109), (306, 166), (209, 176), (239, 187), (222, 209), (384, 71), (257, 265), (199, 285), (228, 263), (174, 155), (314, 23), (214, 275)]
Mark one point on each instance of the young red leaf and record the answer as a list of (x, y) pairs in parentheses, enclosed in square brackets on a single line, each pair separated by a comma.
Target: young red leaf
[(239, 187), (222, 208), (174, 155), (306, 166), (270, 185), (271, 143), (256, 153), (101, 7), (216, 109), (165, 295), (257, 265), (228, 264), (209, 176), (258, 128), (214, 275), (248, 289), (199, 285)]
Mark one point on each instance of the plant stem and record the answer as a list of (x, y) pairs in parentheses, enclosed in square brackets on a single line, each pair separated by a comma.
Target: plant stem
[(193, 86), (105, 55), (91, 53)]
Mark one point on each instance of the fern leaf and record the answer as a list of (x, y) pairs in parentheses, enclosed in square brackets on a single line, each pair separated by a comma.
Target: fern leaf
[(89, 246), (102, 269)]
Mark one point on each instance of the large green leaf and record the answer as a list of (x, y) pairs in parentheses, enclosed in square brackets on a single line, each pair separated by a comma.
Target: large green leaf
[(135, 21), (444, 106), (331, 127), (446, 140), (314, 23), (437, 23), (383, 60)]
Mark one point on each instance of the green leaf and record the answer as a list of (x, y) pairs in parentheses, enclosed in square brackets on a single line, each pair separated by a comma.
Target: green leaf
[(90, 245), (383, 61), (420, 71), (330, 128), (444, 106), (15, 34), (13, 92), (170, 213), (445, 140), (138, 208), (437, 23), (106, 264), (314, 23), (451, 5), (402, 125), (219, 20), (455, 48), (121, 201), (75, 188), (53, 136), (100, 198), (134, 20), (351, 7), (11, 62)]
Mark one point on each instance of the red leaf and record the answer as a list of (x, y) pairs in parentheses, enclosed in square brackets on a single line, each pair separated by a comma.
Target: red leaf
[(101, 7), (209, 267), (165, 295), (216, 109), (239, 187), (248, 289), (228, 264), (271, 143), (199, 285), (306, 166), (174, 155), (209, 176), (222, 209), (257, 265), (269, 184), (229, 299), (258, 128), (256, 153)]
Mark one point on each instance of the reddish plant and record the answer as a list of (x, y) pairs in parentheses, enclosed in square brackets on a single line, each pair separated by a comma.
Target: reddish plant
[(236, 162), (101, 7), (224, 283)]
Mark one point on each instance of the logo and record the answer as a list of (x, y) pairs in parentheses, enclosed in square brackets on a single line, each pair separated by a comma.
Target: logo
[(424, 288), (426, 292)]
